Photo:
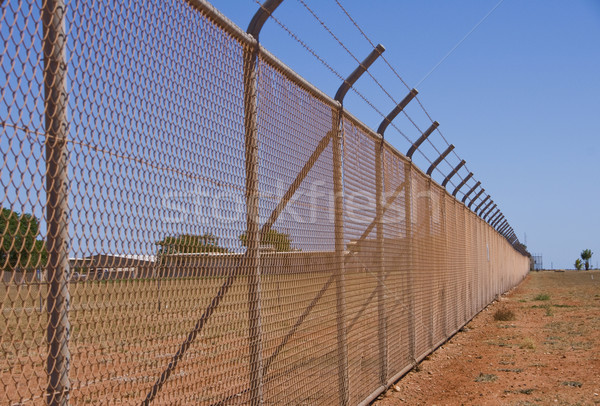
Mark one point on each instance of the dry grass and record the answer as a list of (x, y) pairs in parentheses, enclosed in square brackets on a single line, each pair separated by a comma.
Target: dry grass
[(486, 378), (527, 344), (504, 314)]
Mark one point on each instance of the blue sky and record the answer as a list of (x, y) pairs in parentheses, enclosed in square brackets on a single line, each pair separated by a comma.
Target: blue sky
[(519, 98)]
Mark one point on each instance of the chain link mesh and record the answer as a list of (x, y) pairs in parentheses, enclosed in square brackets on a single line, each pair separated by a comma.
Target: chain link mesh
[(169, 232)]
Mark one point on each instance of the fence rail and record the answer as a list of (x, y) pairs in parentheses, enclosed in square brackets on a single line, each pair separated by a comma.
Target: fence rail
[(185, 220)]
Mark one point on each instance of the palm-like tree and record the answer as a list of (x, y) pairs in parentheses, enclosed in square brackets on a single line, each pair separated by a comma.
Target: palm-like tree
[(586, 255)]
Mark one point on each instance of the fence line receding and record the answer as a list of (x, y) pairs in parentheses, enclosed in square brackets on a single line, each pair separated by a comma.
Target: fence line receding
[(187, 221)]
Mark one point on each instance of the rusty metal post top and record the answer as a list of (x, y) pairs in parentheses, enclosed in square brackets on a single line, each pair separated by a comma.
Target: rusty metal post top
[(261, 16), (422, 139), (357, 73), (454, 171), (397, 110), (442, 156)]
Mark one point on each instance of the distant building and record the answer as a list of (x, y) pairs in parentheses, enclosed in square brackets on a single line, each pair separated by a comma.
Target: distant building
[(105, 266)]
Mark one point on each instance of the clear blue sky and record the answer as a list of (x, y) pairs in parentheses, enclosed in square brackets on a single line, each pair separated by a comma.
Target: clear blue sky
[(520, 97)]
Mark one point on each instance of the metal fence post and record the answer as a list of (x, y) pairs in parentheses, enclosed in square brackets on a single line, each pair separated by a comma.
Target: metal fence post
[(430, 241), (340, 281), (57, 190), (253, 233), (252, 257), (412, 345), (380, 261), (380, 264), (383, 341), (445, 269), (338, 192)]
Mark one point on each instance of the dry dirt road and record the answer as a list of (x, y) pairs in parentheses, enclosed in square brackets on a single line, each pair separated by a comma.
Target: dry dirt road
[(548, 354)]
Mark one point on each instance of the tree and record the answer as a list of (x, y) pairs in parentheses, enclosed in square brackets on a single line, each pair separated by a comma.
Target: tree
[(578, 264), (273, 238), (189, 243), (19, 246), (586, 255)]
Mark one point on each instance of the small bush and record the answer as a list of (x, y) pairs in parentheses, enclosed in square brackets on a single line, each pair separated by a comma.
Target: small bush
[(527, 391), (527, 344), (542, 296), (504, 315), (486, 378), (574, 384)]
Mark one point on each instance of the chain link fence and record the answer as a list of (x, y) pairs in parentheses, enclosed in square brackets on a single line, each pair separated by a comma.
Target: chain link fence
[(187, 221)]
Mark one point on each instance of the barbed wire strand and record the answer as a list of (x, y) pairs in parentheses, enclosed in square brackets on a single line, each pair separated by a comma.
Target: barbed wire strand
[(336, 73), (364, 98), (403, 82)]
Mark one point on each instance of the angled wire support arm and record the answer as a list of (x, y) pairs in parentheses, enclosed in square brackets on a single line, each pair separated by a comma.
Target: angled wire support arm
[(485, 208), (461, 184), (362, 68), (482, 203), (261, 16), (498, 220), (466, 196), (439, 159), (490, 211), (422, 139), (495, 221), (473, 200), (454, 171), (503, 227), (397, 110), (495, 217)]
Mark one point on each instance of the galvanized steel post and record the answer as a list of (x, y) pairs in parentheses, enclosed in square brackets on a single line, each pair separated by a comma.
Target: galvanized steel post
[(379, 263), (383, 340), (57, 211), (252, 256), (338, 190), (412, 343)]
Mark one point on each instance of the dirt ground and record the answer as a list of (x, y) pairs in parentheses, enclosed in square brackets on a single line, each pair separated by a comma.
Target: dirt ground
[(549, 354)]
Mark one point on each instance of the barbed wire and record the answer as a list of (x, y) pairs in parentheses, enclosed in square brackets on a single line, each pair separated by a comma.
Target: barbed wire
[(365, 99), (336, 73), (395, 72), (404, 83)]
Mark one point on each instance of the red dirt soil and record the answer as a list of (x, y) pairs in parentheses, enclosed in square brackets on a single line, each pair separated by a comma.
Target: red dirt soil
[(549, 354)]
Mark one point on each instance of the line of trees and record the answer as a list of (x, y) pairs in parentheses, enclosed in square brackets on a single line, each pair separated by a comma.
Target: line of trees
[(192, 243), (20, 248)]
